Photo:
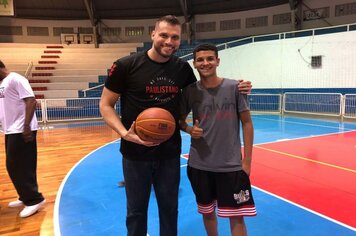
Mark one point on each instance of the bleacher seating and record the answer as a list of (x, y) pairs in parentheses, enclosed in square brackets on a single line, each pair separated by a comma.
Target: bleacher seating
[(186, 48), (64, 71), (60, 71)]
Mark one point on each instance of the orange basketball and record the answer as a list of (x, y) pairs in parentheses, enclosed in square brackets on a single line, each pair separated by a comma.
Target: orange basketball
[(155, 125)]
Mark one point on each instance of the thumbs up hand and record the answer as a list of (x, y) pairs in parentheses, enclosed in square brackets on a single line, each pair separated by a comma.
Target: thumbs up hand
[(196, 132)]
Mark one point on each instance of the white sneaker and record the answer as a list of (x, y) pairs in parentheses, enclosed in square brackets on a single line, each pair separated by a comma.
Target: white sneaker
[(30, 210), (16, 203)]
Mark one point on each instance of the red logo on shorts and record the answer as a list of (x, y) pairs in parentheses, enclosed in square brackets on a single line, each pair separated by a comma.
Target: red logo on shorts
[(242, 196)]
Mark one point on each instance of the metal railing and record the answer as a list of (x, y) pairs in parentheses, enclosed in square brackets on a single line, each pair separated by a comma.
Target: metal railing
[(326, 104), (90, 89), (349, 108), (28, 70), (329, 104)]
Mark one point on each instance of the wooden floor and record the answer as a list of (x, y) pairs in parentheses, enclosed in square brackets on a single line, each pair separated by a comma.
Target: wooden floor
[(59, 150)]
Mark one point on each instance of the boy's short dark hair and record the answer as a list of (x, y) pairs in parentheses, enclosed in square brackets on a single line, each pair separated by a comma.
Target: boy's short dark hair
[(170, 19), (2, 65), (205, 47)]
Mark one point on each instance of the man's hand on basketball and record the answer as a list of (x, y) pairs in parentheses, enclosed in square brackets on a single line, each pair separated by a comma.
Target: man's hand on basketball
[(133, 137), (244, 86)]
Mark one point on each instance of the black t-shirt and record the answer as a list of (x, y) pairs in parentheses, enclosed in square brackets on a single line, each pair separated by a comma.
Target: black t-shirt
[(143, 83)]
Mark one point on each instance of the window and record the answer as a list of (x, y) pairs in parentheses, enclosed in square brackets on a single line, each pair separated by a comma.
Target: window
[(205, 27), (37, 31), (57, 31), (230, 24), (345, 9), (85, 30), (10, 30), (280, 19), (134, 31), (256, 21), (115, 31), (316, 61)]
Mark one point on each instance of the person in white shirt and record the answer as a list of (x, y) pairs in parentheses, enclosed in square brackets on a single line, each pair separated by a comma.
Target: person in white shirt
[(19, 124)]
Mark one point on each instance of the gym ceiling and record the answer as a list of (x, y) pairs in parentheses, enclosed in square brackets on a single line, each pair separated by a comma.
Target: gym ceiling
[(97, 10)]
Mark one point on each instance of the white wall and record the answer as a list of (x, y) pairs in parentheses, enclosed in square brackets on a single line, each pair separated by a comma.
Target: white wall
[(278, 64)]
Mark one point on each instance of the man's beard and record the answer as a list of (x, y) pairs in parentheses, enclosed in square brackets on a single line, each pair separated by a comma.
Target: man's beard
[(159, 51)]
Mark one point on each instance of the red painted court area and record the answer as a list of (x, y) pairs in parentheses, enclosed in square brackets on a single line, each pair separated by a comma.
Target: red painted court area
[(318, 173)]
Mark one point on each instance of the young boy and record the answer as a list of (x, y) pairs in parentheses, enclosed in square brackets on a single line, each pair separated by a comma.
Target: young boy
[(218, 174)]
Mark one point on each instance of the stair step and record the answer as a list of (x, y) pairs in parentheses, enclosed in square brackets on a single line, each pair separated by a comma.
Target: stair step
[(44, 68), (49, 56), (52, 51), (42, 74), (39, 96), (47, 62), (54, 46), (39, 88), (39, 81)]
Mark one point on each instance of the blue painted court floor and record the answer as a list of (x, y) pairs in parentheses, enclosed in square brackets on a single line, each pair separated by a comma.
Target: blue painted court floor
[(89, 201)]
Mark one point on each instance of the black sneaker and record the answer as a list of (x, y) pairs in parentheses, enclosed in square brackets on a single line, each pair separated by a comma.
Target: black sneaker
[(121, 184)]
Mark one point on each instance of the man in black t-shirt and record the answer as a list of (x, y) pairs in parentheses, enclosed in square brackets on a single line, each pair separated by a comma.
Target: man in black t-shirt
[(150, 79)]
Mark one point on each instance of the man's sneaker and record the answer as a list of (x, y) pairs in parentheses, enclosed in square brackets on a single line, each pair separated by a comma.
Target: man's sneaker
[(30, 210), (16, 203), (121, 184)]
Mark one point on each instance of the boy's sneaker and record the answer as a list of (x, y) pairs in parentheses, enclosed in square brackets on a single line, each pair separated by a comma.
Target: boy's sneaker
[(30, 210), (16, 203)]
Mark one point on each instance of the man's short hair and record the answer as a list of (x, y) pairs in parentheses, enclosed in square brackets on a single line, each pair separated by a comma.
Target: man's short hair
[(2, 65), (205, 47), (170, 19)]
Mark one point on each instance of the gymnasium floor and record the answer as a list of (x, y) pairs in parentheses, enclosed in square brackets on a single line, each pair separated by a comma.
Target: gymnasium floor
[(303, 177)]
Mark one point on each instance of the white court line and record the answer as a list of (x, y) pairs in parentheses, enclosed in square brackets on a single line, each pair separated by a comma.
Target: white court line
[(295, 204), (57, 230), (341, 130), (305, 137), (60, 190), (302, 123), (306, 209)]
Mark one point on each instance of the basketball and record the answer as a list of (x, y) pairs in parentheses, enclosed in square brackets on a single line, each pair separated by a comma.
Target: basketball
[(155, 125)]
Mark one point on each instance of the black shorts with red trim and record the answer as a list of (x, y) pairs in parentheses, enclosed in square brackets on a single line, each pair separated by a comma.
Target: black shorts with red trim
[(230, 191)]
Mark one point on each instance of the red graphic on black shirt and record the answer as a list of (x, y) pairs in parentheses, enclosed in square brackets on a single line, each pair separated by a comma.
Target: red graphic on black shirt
[(162, 89), (112, 69)]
